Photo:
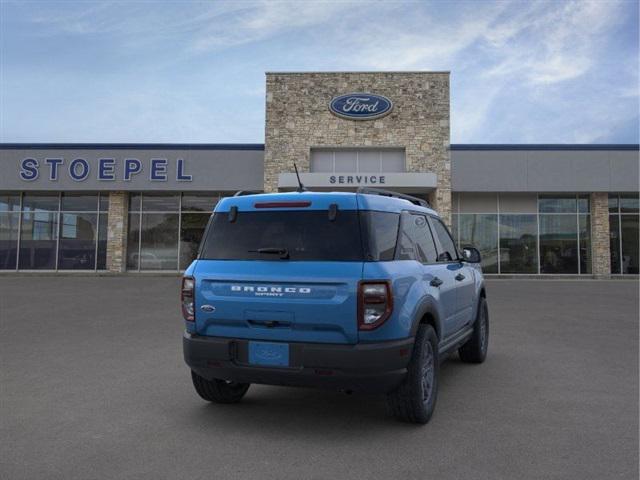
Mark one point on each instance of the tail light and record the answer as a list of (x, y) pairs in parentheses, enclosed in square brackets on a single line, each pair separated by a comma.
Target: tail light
[(375, 304), (186, 297)]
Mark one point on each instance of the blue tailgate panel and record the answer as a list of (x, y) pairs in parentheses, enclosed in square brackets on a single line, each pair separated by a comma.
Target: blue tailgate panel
[(278, 301)]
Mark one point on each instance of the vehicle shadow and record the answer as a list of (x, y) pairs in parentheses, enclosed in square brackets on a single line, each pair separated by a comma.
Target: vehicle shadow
[(296, 412)]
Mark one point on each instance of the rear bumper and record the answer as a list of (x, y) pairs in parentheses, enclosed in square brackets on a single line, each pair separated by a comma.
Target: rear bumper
[(369, 367)]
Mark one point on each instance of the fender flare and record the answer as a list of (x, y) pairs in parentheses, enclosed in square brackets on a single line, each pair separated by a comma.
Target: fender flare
[(428, 306), (481, 292)]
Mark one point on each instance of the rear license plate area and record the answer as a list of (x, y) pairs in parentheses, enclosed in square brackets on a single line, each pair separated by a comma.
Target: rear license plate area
[(269, 354)]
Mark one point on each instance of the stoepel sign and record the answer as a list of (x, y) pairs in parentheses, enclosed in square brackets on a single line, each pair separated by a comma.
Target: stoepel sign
[(360, 106), (106, 169)]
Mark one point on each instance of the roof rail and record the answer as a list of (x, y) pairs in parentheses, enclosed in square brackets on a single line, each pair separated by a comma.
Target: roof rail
[(389, 193), (242, 193)]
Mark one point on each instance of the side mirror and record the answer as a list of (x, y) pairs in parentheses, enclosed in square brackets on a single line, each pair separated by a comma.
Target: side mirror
[(471, 255)]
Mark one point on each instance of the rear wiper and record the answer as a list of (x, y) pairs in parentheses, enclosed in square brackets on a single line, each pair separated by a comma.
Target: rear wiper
[(283, 252)]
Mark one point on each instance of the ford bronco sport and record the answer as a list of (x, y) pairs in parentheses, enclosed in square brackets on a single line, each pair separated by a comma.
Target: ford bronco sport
[(360, 291)]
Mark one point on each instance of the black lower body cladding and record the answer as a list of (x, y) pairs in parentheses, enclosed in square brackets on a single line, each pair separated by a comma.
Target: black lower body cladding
[(369, 367)]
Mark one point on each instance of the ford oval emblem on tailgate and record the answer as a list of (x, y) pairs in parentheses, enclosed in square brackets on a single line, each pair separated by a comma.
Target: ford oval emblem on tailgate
[(208, 308)]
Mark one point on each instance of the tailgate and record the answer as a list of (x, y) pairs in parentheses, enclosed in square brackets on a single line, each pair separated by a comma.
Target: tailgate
[(278, 300)]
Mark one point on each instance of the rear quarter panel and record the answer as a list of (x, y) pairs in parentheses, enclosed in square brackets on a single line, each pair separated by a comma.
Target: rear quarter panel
[(410, 296)]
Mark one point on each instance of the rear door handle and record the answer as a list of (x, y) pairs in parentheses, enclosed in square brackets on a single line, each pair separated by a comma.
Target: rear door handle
[(436, 282), (460, 277)]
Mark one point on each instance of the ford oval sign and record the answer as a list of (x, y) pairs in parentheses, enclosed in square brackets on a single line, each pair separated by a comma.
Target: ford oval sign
[(360, 106)]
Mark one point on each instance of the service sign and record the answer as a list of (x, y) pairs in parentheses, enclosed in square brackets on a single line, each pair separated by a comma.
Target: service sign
[(413, 182), (360, 106)]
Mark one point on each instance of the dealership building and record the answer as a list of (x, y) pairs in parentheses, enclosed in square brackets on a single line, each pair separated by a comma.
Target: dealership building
[(530, 209)]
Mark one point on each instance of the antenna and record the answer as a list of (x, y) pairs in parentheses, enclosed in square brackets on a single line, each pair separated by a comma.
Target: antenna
[(301, 187)]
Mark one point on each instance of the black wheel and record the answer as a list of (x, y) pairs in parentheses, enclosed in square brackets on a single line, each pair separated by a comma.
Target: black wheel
[(219, 391), (415, 399), (475, 350)]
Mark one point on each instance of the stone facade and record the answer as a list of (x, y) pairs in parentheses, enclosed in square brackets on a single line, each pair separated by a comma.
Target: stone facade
[(298, 119), (117, 231), (600, 248)]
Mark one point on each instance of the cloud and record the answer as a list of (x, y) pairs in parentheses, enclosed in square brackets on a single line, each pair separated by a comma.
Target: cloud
[(552, 42), (209, 25), (257, 21), (419, 39), (521, 71)]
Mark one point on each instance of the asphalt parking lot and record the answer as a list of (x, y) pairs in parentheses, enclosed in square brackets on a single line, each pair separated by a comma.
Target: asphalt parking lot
[(94, 386)]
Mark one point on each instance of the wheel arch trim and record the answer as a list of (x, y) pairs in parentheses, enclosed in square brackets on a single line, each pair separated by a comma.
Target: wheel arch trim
[(427, 313)]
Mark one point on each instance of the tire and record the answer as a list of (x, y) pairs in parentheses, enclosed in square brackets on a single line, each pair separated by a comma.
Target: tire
[(415, 399), (475, 350), (219, 391)]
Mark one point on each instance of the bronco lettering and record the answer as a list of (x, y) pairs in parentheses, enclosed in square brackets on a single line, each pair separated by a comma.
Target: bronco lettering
[(269, 289)]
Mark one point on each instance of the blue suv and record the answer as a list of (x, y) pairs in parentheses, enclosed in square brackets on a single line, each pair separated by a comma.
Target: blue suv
[(361, 291)]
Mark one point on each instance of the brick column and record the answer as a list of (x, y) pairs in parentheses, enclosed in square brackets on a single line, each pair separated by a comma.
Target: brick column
[(117, 231), (440, 200), (600, 253)]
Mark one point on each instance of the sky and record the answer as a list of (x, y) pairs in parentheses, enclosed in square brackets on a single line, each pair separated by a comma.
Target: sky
[(193, 72)]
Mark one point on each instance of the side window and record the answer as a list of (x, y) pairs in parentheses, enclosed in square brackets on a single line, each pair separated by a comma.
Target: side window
[(416, 242), (447, 251), (382, 232)]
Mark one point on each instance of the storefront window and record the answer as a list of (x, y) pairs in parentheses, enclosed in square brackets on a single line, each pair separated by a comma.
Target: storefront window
[(518, 244), (480, 231), (558, 244), (9, 224), (565, 234), (9, 202), (557, 204), (165, 230), (53, 231), (135, 202), (80, 225), (39, 231), (153, 202), (159, 241), (133, 238), (72, 202), (629, 203), (614, 242), (531, 234), (198, 202), (191, 230), (9, 228), (103, 226), (78, 234), (623, 233), (40, 202), (583, 204), (584, 237), (629, 237), (38, 238)]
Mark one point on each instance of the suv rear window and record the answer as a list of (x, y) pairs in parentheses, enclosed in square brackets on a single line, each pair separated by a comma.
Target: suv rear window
[(304, 235)]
